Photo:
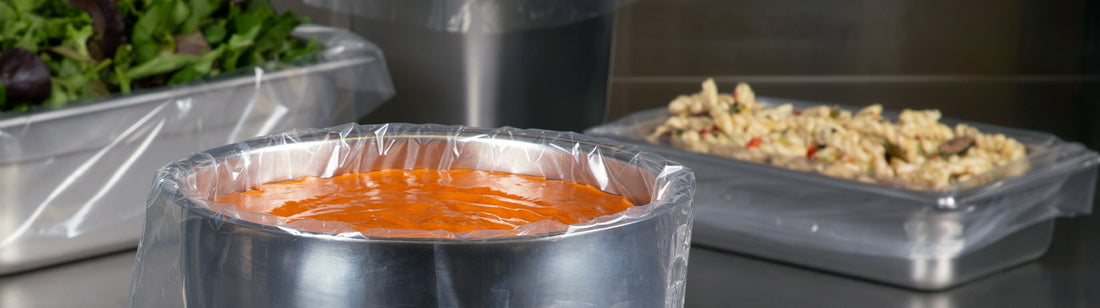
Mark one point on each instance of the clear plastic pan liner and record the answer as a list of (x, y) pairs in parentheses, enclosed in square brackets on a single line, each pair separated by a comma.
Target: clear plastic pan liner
[(75, 179), (462, 16), (201, 253), (884, 233)]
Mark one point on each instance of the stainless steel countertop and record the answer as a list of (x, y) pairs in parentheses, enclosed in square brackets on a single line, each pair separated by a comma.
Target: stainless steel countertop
[(1068, 275)]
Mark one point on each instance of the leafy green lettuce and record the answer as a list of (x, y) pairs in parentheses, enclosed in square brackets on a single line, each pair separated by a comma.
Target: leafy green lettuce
[(167, 42)]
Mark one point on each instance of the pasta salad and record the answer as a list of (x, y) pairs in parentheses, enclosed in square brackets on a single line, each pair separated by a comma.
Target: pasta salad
[(916, 151)]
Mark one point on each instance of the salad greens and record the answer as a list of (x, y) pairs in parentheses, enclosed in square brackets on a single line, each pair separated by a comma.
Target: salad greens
[(93, 48)]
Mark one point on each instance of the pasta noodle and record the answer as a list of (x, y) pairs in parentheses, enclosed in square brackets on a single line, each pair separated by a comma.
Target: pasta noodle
[(915, 152)]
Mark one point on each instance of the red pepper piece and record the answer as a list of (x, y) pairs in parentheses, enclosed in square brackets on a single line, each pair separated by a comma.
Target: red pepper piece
[(755, 142)]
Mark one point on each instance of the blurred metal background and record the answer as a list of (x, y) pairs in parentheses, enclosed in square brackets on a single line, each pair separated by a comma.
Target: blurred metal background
[(1030, 64)]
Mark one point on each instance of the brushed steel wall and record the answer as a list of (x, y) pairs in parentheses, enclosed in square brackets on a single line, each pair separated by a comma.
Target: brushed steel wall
[(1031, 64)]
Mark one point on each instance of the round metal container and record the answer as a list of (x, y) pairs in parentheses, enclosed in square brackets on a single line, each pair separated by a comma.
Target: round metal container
[(485, 63), (228, 258)]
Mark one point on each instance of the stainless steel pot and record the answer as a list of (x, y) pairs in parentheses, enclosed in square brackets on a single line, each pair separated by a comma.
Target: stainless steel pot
[(487, 63), (227, 258)]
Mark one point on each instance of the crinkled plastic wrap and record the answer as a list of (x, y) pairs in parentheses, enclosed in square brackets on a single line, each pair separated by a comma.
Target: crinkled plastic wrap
[(201, 253), (462, 16), (75, 179), (873, 231)]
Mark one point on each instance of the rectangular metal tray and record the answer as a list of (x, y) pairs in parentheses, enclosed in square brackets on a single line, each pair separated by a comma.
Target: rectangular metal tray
[(913, 239), (74, 181)]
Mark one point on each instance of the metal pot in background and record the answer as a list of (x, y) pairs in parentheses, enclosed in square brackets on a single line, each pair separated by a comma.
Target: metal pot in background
[(527, 64)]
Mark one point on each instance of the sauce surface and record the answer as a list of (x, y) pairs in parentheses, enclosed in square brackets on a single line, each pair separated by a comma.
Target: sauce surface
[(451, 200)]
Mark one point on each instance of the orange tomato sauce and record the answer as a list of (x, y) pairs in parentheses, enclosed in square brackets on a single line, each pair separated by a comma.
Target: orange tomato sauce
[(429, 200)]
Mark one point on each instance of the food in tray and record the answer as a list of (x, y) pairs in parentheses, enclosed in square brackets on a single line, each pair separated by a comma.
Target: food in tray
[(916, 151), (58, 51), (453, 201)]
